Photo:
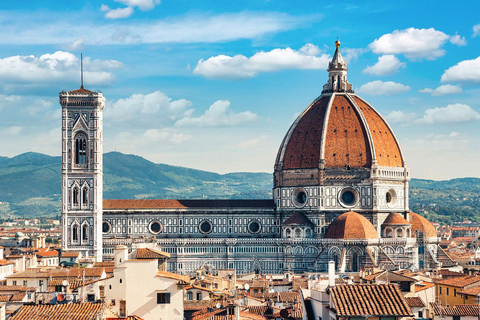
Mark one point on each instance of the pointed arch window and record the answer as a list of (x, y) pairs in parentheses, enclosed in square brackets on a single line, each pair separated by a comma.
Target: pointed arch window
[(75, 233), (85, 196), (80, 149), (75, 196), (85, 232)]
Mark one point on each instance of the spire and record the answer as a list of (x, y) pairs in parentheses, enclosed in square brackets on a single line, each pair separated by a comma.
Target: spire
[(81, 69), (337, 73)]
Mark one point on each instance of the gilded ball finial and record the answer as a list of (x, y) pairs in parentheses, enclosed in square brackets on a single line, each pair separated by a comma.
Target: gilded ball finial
[(337, 43)]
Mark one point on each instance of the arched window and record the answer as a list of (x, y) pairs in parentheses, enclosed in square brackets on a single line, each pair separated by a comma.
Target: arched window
[(399, 233), (388, 233), (76, 195), (308, 233), (298, 233), (85, 196), (75, 233), (85, 232), (80, 149), (288, 233), (355, 261)]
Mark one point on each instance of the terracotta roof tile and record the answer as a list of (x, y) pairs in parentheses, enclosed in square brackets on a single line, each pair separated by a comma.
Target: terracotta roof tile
[(373, 300), (423, 286), (298, 218), (420, 224), (471, 292), (351, 225), (415, 302), (460, 282), (188, 203), (16, 288), (72, 311), (18, 297), (455, 310), (395, 219), (171, 275), (5, 297), (150, 253)]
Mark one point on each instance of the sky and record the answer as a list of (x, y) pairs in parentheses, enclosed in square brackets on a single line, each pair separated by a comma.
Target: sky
[(215, 85)]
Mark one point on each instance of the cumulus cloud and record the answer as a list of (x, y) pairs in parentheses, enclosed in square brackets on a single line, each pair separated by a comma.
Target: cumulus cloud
[(450, 114), (458, 40), (412, 43), (76, 45), (155, 109), (219, 115), (194, 27), (476, 30), (442, 90), (401, 117), (144, 5), (464, 71), (351, 54), (119, 13), (386, 65), (252, 142), (241, 67), (378, 87), (59, 67)]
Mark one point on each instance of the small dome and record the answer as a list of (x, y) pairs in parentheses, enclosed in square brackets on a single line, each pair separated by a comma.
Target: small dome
[(395, 219), (420, 224), (298, 218), (351, 225)]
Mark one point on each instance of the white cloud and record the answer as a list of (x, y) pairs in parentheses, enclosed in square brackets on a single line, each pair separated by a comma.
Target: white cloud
[(442, 90), (476, 30), (458, 40), (144, 5), (412, 43), (378, 87), (119, 13), (151, 110), (399, 116), (240, 67), (194, 27), (219, 115), (351, 54), (76, 45), (450, 114), (386, 65), (57, 68), (464, 71)]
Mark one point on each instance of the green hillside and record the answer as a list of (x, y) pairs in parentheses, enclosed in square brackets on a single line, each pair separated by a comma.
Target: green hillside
[(30, 186)]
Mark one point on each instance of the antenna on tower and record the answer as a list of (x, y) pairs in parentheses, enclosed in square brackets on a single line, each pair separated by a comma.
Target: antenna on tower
[(81, 69)]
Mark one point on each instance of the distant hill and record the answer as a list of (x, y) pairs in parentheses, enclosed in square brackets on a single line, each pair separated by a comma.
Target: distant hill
[(31, 185)]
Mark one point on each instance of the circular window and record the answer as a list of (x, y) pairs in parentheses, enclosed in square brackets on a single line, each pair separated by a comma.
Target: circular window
[(348, 197), (106, 227), (155, 227), (254, 226), (299, 197), (205, 226), (391, 198)]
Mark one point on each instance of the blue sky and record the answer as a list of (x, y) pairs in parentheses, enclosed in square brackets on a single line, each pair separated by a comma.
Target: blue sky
[(215, 85)]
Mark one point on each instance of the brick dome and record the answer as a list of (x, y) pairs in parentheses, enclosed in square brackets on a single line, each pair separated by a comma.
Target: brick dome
[(395, 219), (420, 224), (339, 129), (351, 225)]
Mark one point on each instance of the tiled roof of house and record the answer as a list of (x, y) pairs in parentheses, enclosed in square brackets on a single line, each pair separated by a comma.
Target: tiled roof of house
[(171, 275), (69, 254), (71, 311), (18, 297), (369, 299), (415, 302), (150, 253), (5, 297), (423, 286), (471, 292), (456, 310), (47, 253), (260, 310), (200, 304), (4, 262), (389, 277), (277, 296), (187, 203), (66, 273), (351, 225), (459, 282), (16, 288)]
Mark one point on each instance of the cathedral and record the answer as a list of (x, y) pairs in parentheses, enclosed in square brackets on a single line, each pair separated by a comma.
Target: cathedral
[(340, 192)]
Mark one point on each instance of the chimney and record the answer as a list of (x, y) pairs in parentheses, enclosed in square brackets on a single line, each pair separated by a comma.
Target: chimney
[(331, 273)]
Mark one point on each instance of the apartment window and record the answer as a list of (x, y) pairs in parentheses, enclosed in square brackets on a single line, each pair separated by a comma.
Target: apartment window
[(448, 291), (440, 290), (163, 297), (123, 308), (25, 282), (90, 297), (199, 296), (14, 282), (454, 292), (189, 296), (420, 314)]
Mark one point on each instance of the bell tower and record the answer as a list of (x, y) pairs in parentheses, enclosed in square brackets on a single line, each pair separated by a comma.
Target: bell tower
[(82, 171)]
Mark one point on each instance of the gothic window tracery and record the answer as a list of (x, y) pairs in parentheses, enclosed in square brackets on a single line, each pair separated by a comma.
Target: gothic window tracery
[(85, 196), (80, 149), (75, 196), (85, 232), (75, 233)]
